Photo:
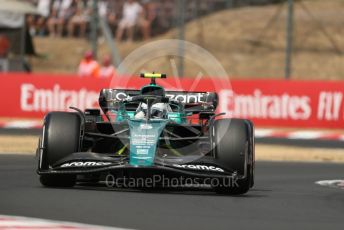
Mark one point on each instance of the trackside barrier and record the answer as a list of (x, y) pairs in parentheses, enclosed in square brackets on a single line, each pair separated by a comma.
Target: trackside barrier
[(274, 103)]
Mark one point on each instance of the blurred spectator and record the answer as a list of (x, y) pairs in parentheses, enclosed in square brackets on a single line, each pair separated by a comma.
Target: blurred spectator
[(107, 70), (107, 12), (132, 14), (88, 67), (80, 19), (150, 15), (4, 45), (4, 49), (31, 25), (62, 11), (166, 14), (43, 7), (111, 14), (103, 8)]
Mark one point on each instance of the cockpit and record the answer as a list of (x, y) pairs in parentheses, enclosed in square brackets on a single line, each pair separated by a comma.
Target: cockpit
[(157, 111)]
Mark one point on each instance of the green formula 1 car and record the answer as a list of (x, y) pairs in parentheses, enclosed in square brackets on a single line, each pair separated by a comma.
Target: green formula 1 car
[(146, 138)]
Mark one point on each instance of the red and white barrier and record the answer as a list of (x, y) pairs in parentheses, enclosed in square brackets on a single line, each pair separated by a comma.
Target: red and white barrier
[(21, 125), (299, 135), (274, 103)]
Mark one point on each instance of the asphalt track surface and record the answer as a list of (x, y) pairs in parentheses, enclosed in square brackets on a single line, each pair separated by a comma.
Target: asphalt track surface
[(284, 197)]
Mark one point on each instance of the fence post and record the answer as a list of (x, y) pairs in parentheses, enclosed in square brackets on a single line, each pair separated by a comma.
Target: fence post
[(289, 39), (94, 28), (181, 36)]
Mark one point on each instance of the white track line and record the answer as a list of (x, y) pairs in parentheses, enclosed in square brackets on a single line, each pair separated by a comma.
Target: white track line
[(308, 135), (263, 132), (21, 125), (18, 222), (331, 183)]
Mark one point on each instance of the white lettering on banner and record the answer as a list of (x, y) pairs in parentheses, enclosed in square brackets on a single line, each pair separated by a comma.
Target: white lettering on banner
[(187, 98), (258, 105), (34, 99), (329, 105), (26, 93)]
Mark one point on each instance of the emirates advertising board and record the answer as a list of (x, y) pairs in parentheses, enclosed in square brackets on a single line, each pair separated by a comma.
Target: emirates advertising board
[(274, 103)]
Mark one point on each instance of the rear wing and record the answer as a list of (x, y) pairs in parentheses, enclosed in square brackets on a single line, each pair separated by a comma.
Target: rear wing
[(194, 102)]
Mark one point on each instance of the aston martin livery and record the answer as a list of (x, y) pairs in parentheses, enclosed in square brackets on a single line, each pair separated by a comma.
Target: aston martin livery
[(148, 138)]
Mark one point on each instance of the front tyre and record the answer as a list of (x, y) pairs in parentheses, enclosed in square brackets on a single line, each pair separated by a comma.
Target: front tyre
[(60, 138), (234, 148)]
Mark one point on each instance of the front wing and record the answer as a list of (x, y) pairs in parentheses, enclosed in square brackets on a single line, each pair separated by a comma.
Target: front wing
[(95, 164)]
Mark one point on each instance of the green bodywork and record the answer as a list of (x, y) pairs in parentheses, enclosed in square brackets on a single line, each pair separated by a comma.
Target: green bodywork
[(143, 141), (145, 133)]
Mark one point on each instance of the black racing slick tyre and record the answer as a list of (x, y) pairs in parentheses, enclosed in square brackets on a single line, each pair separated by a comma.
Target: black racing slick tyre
[(234, 148), (60, 138)]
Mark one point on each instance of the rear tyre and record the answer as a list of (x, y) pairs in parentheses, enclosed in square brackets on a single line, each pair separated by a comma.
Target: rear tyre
[(60, 138), (234, 148)]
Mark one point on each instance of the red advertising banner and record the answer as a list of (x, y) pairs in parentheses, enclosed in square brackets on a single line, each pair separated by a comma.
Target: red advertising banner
[(306, 104), (32, 96), (267, 102)]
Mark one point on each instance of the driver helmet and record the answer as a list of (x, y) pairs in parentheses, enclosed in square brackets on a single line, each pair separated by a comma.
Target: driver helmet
[(159, 110), (141, 111)]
